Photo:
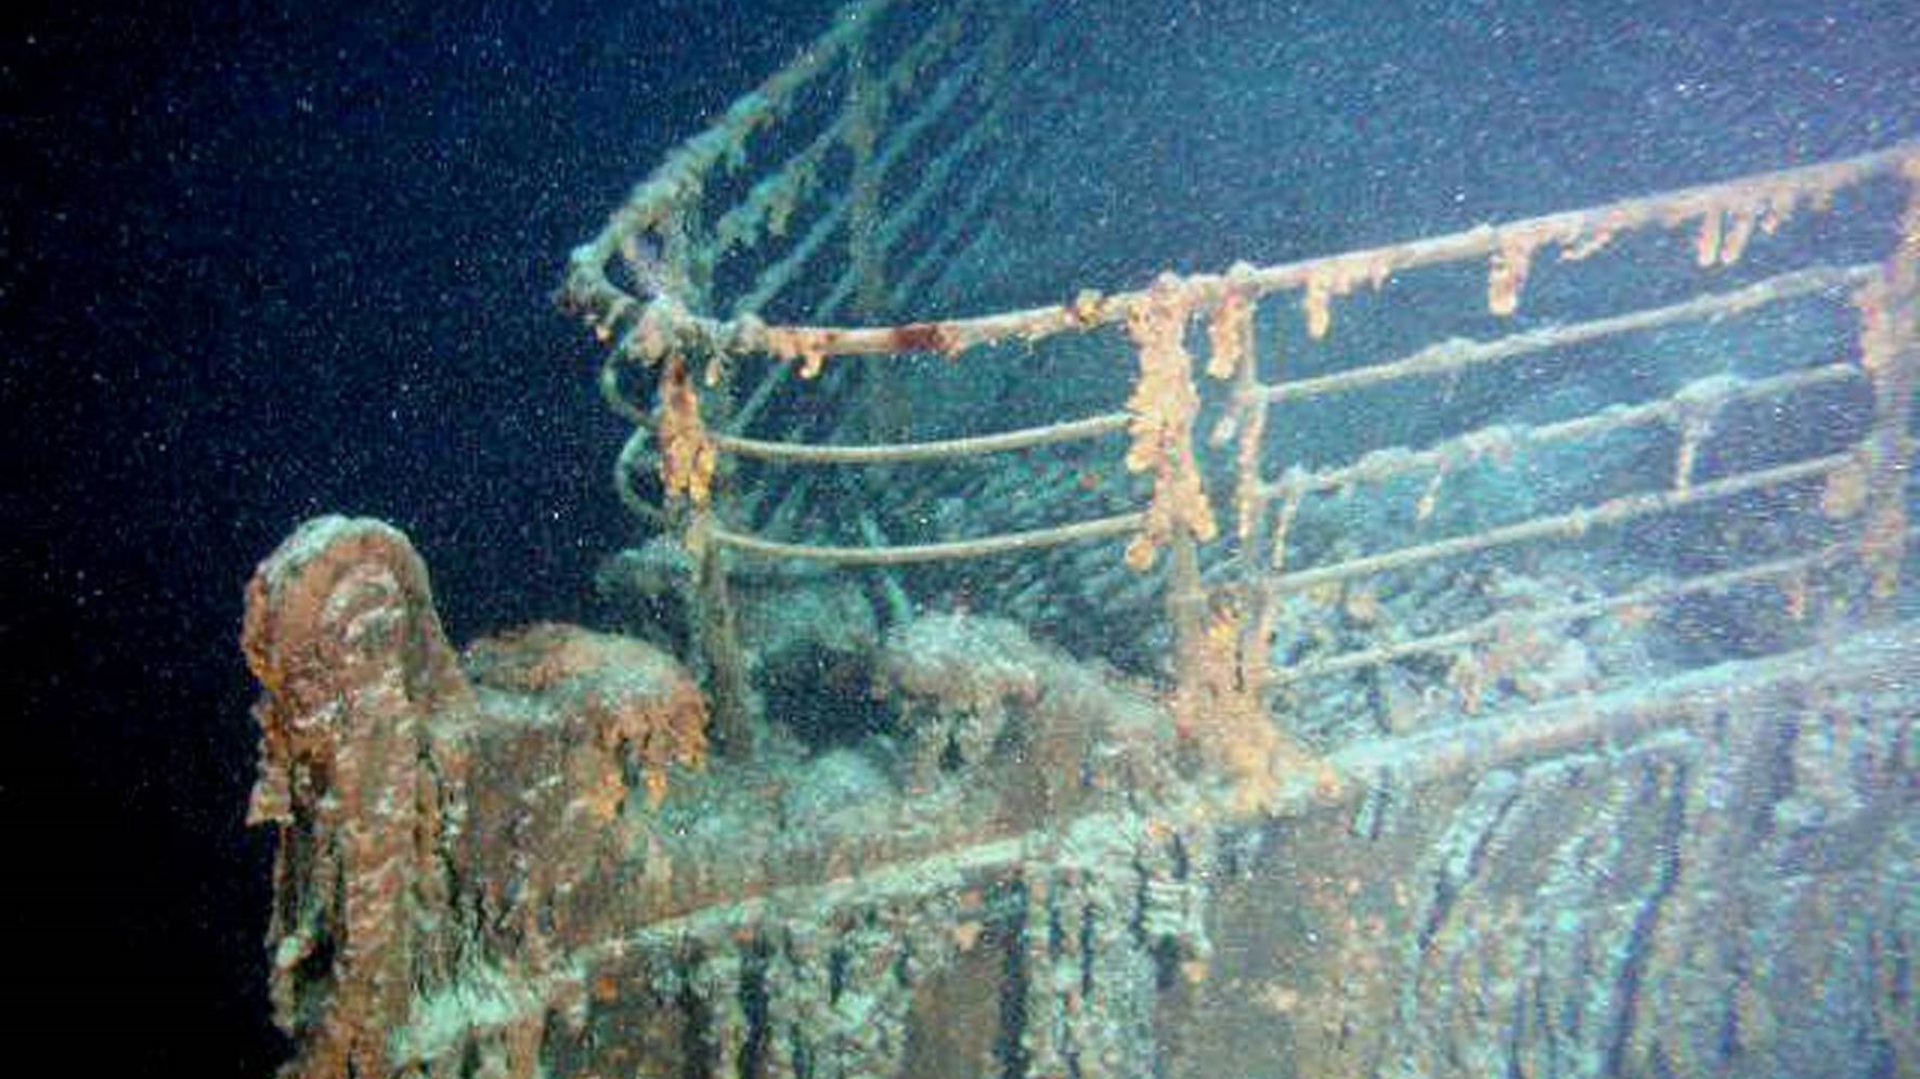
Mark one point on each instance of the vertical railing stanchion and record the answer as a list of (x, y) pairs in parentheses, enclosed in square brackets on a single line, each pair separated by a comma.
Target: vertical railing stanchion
[(1890, 353), (718, 644)]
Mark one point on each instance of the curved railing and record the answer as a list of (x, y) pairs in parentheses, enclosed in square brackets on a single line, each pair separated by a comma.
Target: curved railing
[(695, 380)]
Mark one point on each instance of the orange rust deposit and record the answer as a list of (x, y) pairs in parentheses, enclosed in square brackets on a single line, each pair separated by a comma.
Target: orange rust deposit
[(809, 347), (1086, 307), (688, 456), (1706, 244), (1317, 304), (926, 337), (1163, 406), (1230, 334), (375, 740), (1508, 273), (642, 710)]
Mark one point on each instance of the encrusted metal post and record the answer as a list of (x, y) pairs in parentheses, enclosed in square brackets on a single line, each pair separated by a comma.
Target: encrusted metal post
[(1890, 352), (1186, 603), (866, 111), (688, 459), (718, 643), (342, 634), (1163, 409)]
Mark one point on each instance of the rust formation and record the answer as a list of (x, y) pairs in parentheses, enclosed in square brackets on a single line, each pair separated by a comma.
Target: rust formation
[(1332, 709), (466, 884)]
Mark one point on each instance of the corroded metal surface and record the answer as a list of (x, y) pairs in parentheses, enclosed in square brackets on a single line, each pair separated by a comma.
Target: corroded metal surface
[(1714, 877), (1449, 740)]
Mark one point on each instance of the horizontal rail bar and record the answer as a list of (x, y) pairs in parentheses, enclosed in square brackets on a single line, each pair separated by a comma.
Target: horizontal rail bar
[(1005, 543), (942, 449), (744, 220), (684, 171), (1812, 182), (1556, 526), (1718, 392), (778, 275), (1488, 628), (1498, 740), (1732, 688), (1447, 357)]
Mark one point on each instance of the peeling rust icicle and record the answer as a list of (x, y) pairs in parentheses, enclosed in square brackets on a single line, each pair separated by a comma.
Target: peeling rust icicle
[(1230, 334), (687, 454), (1507, 272), (1164, 405)]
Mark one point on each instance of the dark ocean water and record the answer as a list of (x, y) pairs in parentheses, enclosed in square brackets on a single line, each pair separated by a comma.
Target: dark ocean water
[(266, 261)]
